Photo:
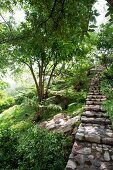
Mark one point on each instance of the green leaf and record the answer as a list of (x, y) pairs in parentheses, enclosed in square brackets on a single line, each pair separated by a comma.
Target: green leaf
[(91, 30)]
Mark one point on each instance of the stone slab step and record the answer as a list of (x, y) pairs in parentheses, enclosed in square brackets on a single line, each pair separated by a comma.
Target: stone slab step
[(101, 121), (101, 100), (93, 102), (94, 90), (94, 93), (94, 85), (96, 96), (95, 134), (95, 114), (96, 108), (95, 82), (95, 99)]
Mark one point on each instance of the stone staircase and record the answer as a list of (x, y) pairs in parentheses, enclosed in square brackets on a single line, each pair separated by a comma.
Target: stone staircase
[(93, 146)]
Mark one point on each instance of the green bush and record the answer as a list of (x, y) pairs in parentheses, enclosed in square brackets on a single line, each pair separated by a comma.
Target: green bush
[(72, 107), (41, 150), (108, 73), (107, 89), (8, 150), (49, 110), (34, 149), (21, 97), (78, 97), (108, 105), (75, 109), (6, 102), (24, 145)]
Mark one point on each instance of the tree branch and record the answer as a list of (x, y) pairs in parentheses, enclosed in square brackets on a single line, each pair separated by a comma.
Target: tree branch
[(50, 15), (8, 25), (110, 2), (55, 64)]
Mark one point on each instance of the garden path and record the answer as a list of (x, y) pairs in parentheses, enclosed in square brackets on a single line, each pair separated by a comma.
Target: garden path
[(93, 146)]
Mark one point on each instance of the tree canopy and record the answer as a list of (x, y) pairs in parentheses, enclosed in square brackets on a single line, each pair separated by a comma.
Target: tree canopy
[(52, 32)]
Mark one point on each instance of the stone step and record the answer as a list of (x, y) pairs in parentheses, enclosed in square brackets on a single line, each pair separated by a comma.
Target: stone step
[(94, 82), (95, 114), (96, 96), (96, 108), (94, 85), (93, 102), (101, 121), (94, 89), (95, 134), (94, 93), (94, 99)]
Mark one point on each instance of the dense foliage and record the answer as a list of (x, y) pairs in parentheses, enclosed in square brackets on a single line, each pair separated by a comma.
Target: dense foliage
[(5, 100), (107, 89), (25, 146), (57, 45)]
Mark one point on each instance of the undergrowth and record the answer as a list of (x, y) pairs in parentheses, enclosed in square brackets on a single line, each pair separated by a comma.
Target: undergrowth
[(107, 89), (24, 145)]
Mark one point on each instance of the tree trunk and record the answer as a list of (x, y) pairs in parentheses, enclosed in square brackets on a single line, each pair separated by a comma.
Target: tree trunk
[(110, 2), (35, 80), (50, 78), (41, 82)]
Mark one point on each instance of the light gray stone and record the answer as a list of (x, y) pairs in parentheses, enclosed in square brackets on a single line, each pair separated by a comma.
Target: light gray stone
[(92, 138), (73, 120), (91, 157), (109, 134), (106, 156), (99, 149), (71, 165), (105, 149), (103, 166), (84, 151), (79, 136), (112, 157), (58, 116), (81, 130)]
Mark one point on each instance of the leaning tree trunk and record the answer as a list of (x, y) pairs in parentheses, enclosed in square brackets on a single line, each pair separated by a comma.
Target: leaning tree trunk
[(41, 80), (110, 2), (51, 74), (35, 80)]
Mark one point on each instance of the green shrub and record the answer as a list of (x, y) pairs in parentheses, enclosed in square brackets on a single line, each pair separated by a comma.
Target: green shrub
[(24, 145), (33, 149), (75, 109), (107, 89), (8, 150), (108, 105), (41, 150), (6, 102), (78, 97), (108, 73), (72, 107), (49, 110), (22, 96)]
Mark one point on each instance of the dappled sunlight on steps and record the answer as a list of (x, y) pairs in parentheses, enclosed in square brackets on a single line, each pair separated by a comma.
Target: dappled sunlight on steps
[(93, 146)]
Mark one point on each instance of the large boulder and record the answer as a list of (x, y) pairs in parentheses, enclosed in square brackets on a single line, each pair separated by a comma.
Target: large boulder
[(61, 123)]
